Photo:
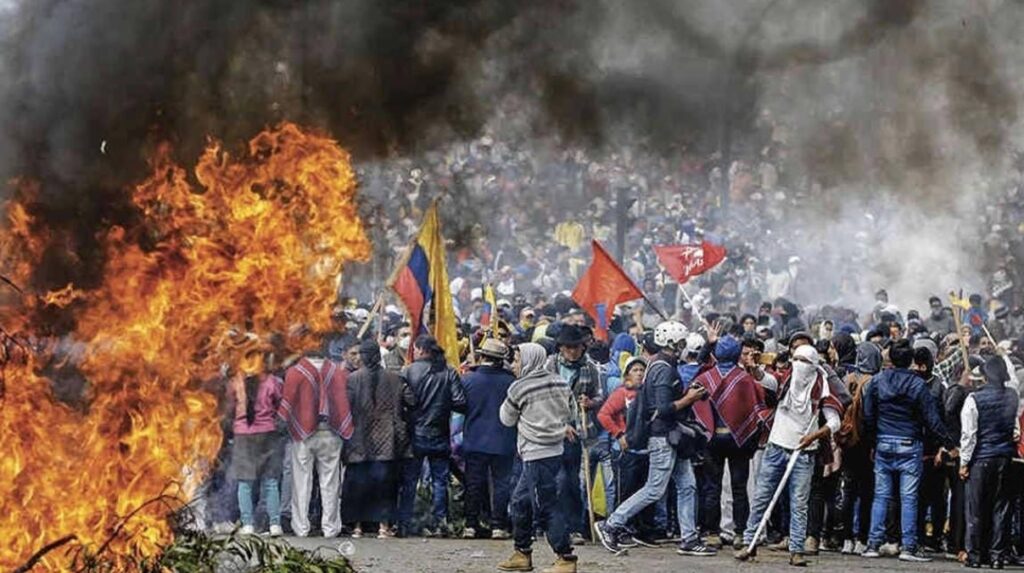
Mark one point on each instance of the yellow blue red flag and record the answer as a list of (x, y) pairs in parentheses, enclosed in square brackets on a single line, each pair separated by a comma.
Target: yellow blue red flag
[(421, 283)]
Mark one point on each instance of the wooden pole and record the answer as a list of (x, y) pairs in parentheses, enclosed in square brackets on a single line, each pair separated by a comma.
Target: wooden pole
[(586, 467), (373, 314), (957, 322)]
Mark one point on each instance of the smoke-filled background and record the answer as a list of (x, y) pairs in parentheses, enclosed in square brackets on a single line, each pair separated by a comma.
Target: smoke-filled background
[(876, 132)]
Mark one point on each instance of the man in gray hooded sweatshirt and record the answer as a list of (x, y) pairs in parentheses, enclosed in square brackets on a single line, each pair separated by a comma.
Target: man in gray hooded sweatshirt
[(538, 406)]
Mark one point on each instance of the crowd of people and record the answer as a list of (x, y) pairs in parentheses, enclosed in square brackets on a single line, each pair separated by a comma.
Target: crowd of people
[(890, 431), (888, 434)]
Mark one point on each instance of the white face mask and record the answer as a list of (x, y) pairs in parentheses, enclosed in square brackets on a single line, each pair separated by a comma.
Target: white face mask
[(803, 370), (403, 342)]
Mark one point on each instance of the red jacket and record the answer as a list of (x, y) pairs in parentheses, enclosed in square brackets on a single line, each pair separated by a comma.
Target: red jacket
[(310, 393), (612, 414)]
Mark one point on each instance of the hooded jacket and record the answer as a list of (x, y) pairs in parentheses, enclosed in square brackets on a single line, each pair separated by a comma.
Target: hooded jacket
[(868, 363), (897, 403), (538, 406), (438, 393)]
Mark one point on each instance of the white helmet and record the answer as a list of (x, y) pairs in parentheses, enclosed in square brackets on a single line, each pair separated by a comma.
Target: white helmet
[(669, 334), (694, 343)]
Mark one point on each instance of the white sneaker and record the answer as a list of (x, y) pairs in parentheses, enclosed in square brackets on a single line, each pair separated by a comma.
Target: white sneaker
[(500, 534), (859, 548), (847, 547), (247, 530), (889, 550), (276, 531), (469, 533)]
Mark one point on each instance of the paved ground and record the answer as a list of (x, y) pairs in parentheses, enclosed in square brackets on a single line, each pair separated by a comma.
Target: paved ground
[(457, 556)]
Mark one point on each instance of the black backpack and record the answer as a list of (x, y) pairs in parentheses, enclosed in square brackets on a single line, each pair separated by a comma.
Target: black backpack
[(638, 425)]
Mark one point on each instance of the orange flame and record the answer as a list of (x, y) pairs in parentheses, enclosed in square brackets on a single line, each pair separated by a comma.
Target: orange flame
[(260, 248)]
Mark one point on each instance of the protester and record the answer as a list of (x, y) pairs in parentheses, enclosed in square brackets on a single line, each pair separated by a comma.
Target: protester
[(379, 443), (488, 446), (438, 392), (732, 418), (990, 430), (630, 463), (539, 406), (258, 452), (897, 410), (794, 432), (665, 405), (315, 406), (586, 384)]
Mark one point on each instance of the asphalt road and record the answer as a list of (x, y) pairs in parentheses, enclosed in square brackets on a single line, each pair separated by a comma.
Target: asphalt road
[(458, 556)]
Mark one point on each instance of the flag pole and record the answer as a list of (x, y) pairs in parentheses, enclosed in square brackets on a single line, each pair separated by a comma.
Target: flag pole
[(656, 308), (373, 314), (958, 323), (693, 306)]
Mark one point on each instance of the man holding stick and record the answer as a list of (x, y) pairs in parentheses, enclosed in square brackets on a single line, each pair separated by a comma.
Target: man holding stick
[(792, 444), (584, 378)]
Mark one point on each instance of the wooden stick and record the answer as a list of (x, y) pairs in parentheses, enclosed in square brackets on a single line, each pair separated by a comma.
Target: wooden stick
[(32, 561), (778, 489), (957, 322), (693, 306), (373, 314), (657, 309), (586, 468), (995, 345)]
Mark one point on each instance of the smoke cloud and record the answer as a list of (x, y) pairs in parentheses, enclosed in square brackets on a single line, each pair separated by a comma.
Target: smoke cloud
[(893, 120)]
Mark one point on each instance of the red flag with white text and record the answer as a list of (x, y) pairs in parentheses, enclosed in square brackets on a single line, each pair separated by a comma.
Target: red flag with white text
[(682, 262)]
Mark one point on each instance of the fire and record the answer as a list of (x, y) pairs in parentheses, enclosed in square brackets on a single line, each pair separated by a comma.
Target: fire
[(258, 247)]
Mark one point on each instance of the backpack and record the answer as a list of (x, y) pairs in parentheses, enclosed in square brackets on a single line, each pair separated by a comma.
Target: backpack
[(638, 425)]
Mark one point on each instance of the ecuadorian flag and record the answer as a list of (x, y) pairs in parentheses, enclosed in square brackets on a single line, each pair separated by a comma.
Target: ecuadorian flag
[(489, 315), (421, 283)]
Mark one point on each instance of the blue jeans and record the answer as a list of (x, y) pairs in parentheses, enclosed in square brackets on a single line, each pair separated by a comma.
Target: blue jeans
[(270, 495), (662, 465), (773, 465), (537, 491), (411, 471), (896, 458)]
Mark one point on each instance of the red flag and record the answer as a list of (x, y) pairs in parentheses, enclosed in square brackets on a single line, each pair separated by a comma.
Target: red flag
[(684, 261), (603, 286)]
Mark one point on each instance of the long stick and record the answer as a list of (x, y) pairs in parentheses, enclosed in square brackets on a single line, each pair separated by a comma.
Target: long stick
[(778, 490), (958, 323), (656, 308), (586, 468), (372, 315), (693, 307), (989, 335)]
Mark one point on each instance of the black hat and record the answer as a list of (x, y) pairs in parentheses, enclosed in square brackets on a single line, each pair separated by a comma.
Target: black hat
[(571, 335)]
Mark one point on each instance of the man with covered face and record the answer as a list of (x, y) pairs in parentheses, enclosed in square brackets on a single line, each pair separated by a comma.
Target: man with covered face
[(804, 399)]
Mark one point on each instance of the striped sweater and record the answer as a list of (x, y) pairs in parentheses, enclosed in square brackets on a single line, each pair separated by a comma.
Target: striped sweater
[(538, 406)]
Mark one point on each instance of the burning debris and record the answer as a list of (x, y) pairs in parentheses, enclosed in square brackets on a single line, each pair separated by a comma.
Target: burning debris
[(255, 244)]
